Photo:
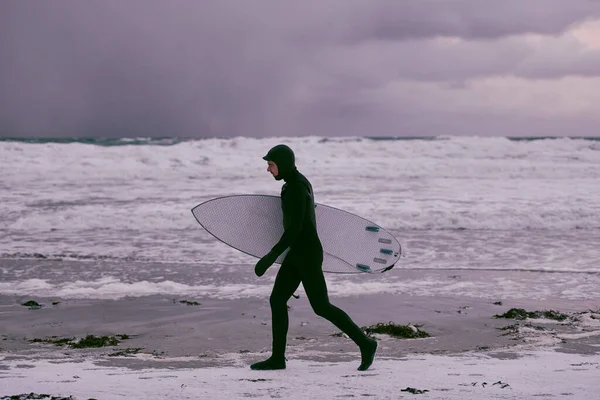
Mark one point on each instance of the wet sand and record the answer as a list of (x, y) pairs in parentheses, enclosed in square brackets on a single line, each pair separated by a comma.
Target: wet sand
[(165, 327)]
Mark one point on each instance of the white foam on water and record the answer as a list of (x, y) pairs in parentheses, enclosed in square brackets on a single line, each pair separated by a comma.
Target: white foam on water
[(112, 288), (498, 287), (468, 376), (472, 183)]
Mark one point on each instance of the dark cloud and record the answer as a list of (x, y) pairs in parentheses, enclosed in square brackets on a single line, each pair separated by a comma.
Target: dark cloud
[(449, 60), (255, 68), (138, 68), (408, 122), (470, 19)]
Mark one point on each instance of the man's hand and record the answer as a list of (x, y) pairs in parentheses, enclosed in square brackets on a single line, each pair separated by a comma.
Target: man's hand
[(263, 264)]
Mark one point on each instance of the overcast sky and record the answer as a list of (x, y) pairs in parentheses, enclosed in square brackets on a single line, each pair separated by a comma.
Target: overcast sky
[(292, 68)]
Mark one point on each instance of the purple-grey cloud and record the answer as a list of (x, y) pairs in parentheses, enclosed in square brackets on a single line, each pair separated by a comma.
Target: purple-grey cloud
[(376, 63), (214, 68), (470, 19)]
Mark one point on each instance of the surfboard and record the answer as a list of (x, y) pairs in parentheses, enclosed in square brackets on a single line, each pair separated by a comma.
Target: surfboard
[(253, 224)]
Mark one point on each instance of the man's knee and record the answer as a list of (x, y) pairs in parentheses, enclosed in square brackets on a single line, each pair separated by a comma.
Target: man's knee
[(322, 309), (277, 301)]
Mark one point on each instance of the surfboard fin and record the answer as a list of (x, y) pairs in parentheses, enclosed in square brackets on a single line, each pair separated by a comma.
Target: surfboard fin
[(363, 267), (388, 268)]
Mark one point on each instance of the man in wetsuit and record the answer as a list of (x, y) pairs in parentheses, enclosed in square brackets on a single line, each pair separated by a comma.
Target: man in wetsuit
[(302, 264)]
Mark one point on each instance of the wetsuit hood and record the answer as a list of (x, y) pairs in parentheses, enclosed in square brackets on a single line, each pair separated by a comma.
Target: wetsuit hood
[(284, 157)]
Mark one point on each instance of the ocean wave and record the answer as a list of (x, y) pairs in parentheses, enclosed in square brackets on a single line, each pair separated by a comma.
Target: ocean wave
[(169, 141), (100, 141), (135, 200), (534, 287), (73, 256)]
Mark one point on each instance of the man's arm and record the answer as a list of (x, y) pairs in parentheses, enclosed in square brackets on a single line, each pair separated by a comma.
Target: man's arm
[(295, 209)]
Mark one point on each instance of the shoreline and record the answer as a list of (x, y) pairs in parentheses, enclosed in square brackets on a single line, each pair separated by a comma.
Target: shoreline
[(180, 327)]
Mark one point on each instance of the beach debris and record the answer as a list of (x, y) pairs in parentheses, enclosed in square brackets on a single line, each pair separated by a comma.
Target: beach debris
[(461, 309), (187, 302), (340, 334), (28, 396), (514, 328), (414, 391), (90, 341), (520, 314), (126, 352), (520, 330), (503, 385), (398, 331), (583, 363), (98, 341), (158, 354), (95, 341), (53, 340), (32, 305)]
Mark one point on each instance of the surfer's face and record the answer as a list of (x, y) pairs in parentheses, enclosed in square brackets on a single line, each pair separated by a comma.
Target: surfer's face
[(272, 168)]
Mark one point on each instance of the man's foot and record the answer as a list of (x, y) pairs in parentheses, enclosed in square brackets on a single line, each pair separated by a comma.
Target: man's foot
[(269, 364), (367, 354)]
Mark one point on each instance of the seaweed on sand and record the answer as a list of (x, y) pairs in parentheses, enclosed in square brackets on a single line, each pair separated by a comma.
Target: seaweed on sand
[(520, 314), (396, 331)]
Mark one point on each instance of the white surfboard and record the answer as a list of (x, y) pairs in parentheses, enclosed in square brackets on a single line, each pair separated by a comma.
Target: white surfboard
[(254, 223)]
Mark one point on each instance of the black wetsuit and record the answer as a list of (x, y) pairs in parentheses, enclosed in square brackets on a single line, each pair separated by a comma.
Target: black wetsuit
[(303, 263)]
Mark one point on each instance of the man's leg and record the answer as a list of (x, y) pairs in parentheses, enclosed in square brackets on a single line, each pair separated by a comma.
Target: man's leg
[(316, 291), (286, 283)]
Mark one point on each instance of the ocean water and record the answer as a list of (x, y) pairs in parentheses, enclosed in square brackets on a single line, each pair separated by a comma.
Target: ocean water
[(107, 218)]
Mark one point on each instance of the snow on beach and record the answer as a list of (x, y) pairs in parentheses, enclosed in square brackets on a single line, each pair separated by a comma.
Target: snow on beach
[(537, 374)]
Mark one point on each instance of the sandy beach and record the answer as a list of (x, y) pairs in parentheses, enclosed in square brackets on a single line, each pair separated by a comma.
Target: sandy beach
[(182, 347)]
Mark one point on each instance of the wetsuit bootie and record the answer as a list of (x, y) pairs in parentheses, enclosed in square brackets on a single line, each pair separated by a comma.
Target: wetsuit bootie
[(367, 354), (269, 364)]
